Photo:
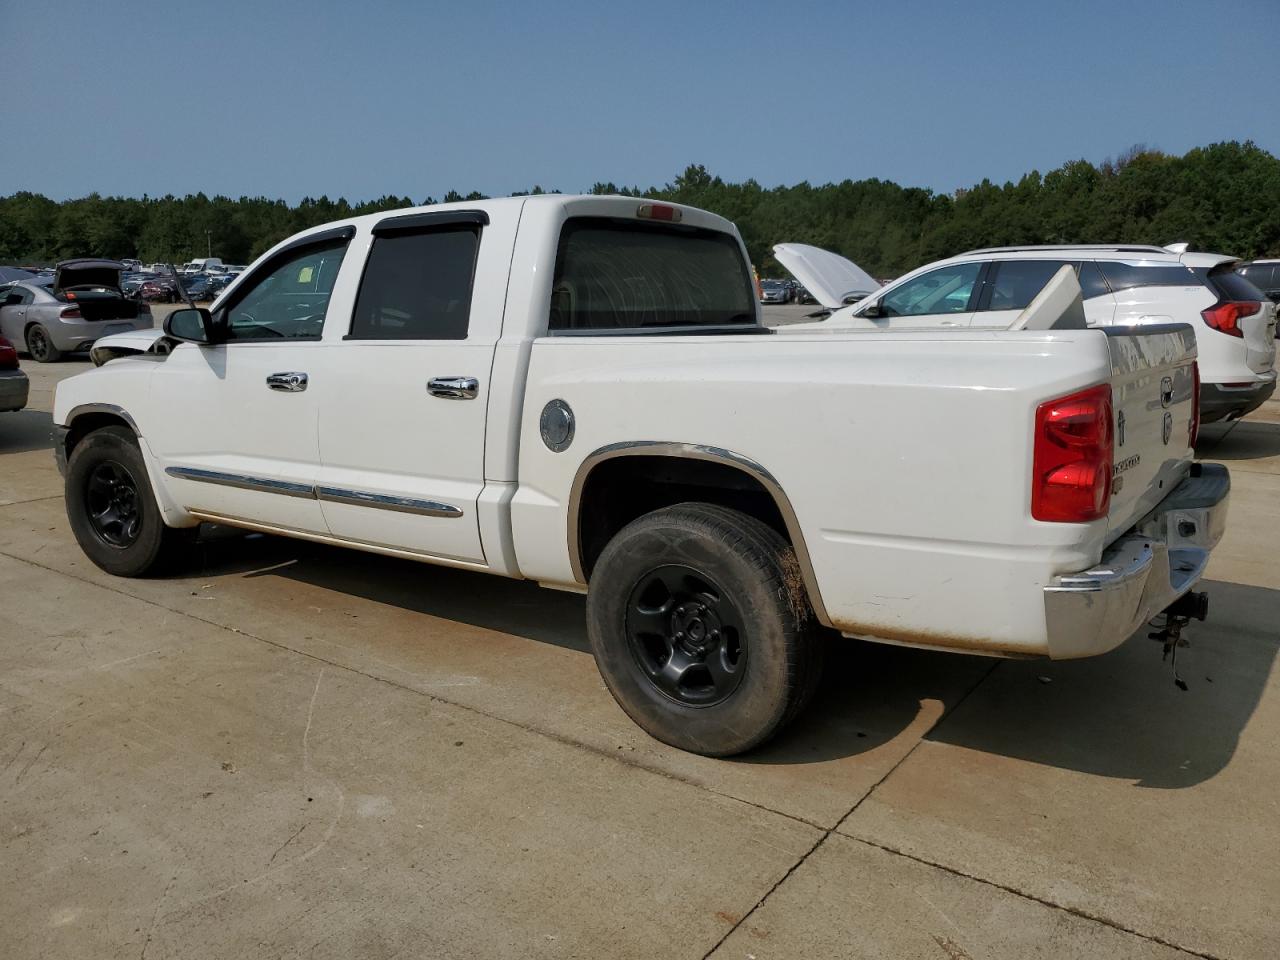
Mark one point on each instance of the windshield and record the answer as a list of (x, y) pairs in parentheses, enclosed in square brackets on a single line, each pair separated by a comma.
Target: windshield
[(619, 275)]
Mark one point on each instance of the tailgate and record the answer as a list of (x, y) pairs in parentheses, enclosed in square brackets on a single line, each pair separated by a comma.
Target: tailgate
[(1260, 338), (1153, 398)]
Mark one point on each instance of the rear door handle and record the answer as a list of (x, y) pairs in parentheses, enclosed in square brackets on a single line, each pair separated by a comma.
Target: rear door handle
[(454, 388), (292, 382)]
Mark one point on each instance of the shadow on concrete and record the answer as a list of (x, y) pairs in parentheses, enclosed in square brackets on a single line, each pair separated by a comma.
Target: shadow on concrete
[(1118, 716), (1121, 715), (870, 693), (1243, 440), (517, 607), (25, 430)]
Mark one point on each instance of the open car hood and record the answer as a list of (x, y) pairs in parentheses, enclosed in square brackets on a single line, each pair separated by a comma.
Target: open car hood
[(87, 273), (832, 279), (132, 343)]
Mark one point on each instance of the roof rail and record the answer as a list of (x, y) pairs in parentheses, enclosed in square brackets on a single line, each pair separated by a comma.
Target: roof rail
[(1116, 247)]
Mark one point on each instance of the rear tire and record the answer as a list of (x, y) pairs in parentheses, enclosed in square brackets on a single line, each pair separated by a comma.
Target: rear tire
[(113, 510), (39, 345), (701, 628)]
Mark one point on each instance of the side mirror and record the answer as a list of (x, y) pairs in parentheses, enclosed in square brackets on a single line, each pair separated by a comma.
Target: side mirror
[(873, 311), (192, 325)]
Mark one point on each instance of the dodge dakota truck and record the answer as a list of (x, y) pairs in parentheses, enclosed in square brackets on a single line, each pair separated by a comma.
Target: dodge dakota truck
[(580, 391)]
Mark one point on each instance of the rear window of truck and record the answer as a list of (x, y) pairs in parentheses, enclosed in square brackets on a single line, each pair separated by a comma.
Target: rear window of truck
[(617, 275)]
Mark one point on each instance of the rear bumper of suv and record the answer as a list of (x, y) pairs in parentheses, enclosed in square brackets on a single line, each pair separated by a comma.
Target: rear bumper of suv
[(1143, 572), (1219, 401)]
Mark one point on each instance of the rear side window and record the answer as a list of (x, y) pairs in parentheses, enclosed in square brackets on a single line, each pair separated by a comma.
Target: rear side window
[(1091, 282), (619, 275), (1229, 285), (1126, 276), (1264, 276), (1017, 282), (417, 286)]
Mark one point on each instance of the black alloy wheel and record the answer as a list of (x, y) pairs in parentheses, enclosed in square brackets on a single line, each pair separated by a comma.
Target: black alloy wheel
[(687, 635), (111, 495), (700, 628)]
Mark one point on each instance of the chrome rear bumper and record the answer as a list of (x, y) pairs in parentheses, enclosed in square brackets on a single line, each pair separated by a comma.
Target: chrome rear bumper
[(1162, 558)]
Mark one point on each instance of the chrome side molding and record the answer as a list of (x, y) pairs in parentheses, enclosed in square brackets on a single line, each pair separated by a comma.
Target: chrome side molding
[(380, 501), (243, 482), (359, 498)]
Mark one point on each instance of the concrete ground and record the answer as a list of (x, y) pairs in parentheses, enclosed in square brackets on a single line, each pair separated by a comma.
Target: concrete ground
[(290, 750)]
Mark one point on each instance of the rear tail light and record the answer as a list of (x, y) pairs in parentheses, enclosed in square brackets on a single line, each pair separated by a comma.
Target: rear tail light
[(8, 355), (658, 211), (70, 313), (1225, 316), (1195, 404), (1071, 459)]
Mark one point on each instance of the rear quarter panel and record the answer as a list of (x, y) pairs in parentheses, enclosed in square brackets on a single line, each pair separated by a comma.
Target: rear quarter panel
[(905, 459)]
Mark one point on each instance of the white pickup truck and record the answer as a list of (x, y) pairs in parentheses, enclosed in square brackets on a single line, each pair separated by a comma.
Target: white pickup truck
[(580, 391)]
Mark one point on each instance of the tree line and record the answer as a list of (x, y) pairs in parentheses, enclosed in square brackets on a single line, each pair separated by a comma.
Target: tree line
[(1224, 197)]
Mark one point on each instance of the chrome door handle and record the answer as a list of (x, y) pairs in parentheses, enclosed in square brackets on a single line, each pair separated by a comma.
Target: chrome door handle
[(454, 388), (288, 382)]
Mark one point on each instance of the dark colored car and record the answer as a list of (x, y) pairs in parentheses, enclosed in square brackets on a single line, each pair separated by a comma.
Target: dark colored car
[(131, 282), (1265, 275), (158, 288), (198, 286)]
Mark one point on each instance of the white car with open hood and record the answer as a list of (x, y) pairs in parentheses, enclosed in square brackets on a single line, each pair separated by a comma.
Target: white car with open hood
[(1122, 285), (579, 391)]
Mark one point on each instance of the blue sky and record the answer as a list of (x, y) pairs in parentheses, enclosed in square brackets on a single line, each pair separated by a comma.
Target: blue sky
[(361, 99)]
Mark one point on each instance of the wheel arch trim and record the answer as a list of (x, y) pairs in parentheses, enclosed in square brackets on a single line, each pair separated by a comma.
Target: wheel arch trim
[(111, 408), (693, 451)]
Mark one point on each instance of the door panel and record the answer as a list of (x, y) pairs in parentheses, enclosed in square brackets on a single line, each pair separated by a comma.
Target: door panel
[(235, 426), (383, 435), (403, 467), (253, 448)]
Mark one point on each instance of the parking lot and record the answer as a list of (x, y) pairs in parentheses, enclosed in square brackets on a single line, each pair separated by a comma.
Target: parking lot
[(293, 750)]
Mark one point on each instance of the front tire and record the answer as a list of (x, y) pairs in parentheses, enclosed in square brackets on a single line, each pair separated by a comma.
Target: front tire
[(113, 510), (39, 345), (701, 629)]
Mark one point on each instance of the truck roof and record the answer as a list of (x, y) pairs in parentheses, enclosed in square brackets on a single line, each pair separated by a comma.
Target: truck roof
[(627, 206)]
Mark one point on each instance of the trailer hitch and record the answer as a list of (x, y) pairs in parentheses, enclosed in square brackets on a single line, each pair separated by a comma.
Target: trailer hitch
[(1188, 607)]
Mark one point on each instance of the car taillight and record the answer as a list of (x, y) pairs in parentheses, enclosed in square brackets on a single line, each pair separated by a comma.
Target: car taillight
[(8, 355), (69, 313), (1195, 403), (658, 211), (1225, 316), (1071, 459)]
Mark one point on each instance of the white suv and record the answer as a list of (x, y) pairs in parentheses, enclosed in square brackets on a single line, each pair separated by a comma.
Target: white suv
[(1123, 285)]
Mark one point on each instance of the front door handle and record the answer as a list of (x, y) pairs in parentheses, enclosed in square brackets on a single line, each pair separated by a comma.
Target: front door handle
[(288, 382), (454, 388)]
